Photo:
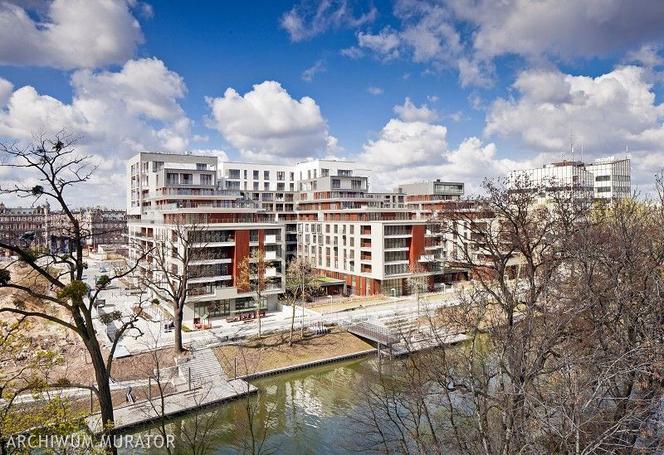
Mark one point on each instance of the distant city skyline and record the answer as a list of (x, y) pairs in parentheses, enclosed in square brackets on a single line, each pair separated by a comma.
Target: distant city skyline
[(414, 90)]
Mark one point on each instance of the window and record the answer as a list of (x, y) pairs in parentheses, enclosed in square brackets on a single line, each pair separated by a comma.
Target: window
[(344, 173), (281, 186), (212, 309), (171, 178), (206, 179), (356, 184), (245, 174), (232, 185), (201, 167), (266, 186), (324, 172), (186, 179), (281, 175), (292, 186), (256, 186), (266, 175), (292, 176), (336, 183), (233, 173), (255, 175), (603, 178)]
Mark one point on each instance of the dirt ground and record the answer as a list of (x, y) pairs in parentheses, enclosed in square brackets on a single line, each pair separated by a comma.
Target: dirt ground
[(47, 335), (273, 352)]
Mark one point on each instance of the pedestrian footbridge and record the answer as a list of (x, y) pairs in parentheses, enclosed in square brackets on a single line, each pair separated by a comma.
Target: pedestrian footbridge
[(373, 332)]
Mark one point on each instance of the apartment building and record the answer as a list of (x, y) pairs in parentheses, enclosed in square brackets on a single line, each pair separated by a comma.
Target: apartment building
[(431, 196), (605, 179), (45, 229), (184, 196), (23, 225), (364, 242)]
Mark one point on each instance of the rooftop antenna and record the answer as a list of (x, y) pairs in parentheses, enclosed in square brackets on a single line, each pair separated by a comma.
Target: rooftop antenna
[(571, 147)]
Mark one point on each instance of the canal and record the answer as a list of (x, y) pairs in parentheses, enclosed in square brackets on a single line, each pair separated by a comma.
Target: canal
[(305, 412)]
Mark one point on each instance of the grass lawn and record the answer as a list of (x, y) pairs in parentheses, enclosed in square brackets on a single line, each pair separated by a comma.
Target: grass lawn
[(271, 352)]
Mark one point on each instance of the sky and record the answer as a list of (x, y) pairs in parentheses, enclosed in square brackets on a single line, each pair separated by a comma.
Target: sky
[(416, 89)]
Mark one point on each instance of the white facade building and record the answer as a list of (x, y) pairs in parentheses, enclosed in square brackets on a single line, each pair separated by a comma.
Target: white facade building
[(605, 179), (363, 243), (612, 178)]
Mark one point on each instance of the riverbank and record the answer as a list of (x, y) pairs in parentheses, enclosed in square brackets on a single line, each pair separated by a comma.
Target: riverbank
[(259, 356)]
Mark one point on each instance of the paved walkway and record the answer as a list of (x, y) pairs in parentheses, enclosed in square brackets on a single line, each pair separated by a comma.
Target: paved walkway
[(149, 411), (202, 367)]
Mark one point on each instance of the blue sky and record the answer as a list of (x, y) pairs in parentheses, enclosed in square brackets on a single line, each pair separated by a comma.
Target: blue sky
[(458, 89)]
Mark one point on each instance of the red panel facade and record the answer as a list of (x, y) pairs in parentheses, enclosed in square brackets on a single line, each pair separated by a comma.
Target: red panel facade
[(240, 252), (416, 244)]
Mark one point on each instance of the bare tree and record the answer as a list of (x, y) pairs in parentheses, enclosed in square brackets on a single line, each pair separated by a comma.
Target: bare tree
[(67, 301), (302, 281), (417, 283), (563, 328), (171, 270), (251, 277)]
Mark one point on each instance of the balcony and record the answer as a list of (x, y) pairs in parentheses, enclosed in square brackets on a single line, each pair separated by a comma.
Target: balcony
[(271, 255), (272, 238), (207, 279)]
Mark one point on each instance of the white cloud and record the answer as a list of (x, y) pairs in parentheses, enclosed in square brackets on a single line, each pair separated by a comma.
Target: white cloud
[(352, 52), (266, 123), (375, 90), (407, 152), (402, 143), (647, 56), (409, 112), (222, 155), (603, 115), (310, 73), (414, 147), (309, 19), (385, 44), (69, 34), (116, 114), (6, 88), (467, 35), (561, 28)]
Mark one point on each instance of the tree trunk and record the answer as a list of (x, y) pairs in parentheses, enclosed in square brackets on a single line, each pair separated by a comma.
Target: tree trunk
[(259, 322), (258, 315), (104, 390), (292, 323), (303, 297), (179, 316)]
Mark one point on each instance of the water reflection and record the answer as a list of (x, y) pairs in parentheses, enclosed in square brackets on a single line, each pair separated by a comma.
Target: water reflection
[(302, 412)]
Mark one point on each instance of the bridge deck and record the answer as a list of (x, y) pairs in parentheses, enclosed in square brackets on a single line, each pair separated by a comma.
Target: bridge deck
[(374, 332)]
